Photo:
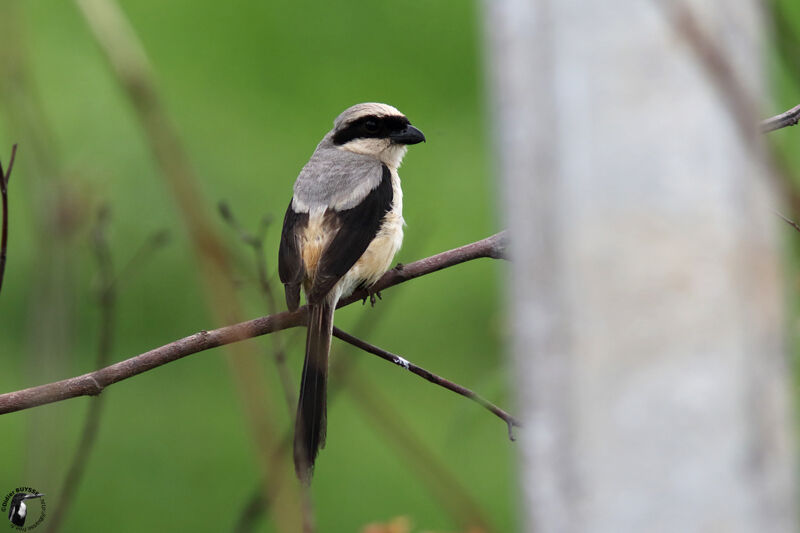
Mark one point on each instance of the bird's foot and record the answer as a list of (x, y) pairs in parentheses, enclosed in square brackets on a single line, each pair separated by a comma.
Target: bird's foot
[(371, 295)]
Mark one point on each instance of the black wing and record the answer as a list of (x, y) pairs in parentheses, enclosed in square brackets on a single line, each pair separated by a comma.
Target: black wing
[(356, 229), (290, 264)]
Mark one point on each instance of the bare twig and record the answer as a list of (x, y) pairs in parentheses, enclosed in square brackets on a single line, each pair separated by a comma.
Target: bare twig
[(783, 120), (789, 221), (430, 376), (93, 383), (445, 486), (434, 474), (4, 177)]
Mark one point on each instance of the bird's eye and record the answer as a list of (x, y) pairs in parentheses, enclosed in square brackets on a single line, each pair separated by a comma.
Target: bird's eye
[(371, 126)]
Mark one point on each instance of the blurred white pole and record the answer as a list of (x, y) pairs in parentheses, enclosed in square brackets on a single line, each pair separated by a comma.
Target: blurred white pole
[(645, 294)]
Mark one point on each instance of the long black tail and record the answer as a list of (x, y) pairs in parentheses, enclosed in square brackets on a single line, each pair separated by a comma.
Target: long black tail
[(309, 428)]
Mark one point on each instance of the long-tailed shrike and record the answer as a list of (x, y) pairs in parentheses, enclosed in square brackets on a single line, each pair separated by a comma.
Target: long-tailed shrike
[(341, 231)]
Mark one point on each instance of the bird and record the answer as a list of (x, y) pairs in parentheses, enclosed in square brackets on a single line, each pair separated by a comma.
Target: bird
[(18, 510), (341, 232)]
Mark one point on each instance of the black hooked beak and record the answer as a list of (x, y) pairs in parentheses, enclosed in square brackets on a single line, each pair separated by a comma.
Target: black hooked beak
[(31, 496), (409, 135)]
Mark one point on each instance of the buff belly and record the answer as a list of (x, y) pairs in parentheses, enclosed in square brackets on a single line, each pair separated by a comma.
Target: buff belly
[(375, 260)]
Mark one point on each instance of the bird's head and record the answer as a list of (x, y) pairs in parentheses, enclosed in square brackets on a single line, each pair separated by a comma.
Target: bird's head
[(376, 130)]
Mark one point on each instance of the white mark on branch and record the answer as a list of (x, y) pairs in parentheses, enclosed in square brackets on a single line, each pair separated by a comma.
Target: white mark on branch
[(96, 384)]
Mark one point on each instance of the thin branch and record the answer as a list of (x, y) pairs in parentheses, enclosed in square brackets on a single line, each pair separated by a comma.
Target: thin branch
[(785, 119), (93, 383), (434, 474), (430, 376), (789, 221), (4, 177)]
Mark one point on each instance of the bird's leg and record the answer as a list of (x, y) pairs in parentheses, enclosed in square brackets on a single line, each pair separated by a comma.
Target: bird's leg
[(371, 295)]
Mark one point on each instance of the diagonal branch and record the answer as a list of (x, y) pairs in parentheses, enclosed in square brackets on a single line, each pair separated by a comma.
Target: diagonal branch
[(430, 376), (93, 383), (386, 421), (789, 221)]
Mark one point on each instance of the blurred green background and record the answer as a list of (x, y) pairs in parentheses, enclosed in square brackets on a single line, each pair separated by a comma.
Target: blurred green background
[(251, 88)]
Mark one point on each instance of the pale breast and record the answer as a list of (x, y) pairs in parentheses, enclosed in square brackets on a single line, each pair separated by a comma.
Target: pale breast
[(378, 257)]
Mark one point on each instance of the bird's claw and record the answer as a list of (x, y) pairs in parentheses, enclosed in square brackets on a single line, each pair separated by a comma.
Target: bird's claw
[(371, 295)]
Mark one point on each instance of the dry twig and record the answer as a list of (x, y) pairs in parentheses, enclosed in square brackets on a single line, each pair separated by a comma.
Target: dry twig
[(789, 221), (435, 475), (430, 376)]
